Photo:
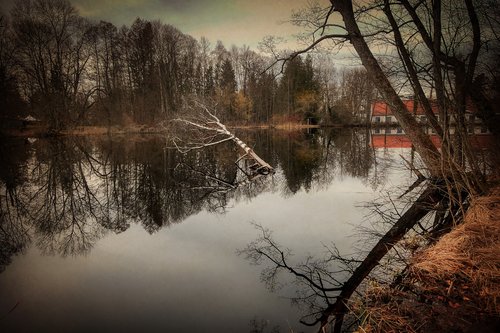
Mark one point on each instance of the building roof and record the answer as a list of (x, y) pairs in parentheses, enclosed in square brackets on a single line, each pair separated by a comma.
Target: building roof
[(30, 118), (381, 108)]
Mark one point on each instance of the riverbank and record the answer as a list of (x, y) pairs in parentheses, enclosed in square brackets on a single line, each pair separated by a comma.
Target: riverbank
[(43, 131), (451, 286)]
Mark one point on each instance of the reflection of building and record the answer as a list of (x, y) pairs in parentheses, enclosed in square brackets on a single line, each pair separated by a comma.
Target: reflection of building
[(402, 141), (381, 114)]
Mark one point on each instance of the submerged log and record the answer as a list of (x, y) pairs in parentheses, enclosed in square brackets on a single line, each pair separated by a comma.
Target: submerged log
[(261, 166)]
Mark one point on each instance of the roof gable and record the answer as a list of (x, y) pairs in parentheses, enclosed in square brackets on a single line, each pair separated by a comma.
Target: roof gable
[(381, 108)]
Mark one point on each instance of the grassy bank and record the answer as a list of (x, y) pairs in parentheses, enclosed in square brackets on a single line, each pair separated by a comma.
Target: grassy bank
[(451, 286), (290, 126), (41, 131)]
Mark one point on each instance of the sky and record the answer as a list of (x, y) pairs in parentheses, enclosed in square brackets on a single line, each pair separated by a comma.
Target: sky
[(239, 22)]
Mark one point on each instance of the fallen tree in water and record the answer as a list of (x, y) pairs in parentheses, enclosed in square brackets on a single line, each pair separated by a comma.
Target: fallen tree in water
[(201, 128)]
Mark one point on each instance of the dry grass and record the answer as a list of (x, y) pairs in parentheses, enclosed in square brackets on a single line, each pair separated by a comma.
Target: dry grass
[(288, 126), (470, 252), (453, 285), (249, 126), (101, 130), (29, 131), (132, 128), (39, 131), (292, 126), (86, 130), (382, 315)]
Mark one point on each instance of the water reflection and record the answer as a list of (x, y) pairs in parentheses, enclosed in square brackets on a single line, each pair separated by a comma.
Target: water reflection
[(66, 194), (325, 284), (13, 231), (109, 198)]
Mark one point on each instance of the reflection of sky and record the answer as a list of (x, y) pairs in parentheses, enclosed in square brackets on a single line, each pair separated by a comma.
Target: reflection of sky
[(183, 278), (187, 277)]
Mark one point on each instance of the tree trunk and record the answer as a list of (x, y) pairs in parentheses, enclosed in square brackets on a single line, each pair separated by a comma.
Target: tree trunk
[(424, 146), (426, 202), (411, 70)]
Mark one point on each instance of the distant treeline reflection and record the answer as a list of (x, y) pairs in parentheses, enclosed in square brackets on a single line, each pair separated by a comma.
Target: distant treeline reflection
[(65, 194)]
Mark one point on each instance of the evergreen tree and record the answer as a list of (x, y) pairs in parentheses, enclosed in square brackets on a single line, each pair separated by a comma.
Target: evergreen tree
[(209, 82), (298, 89), (228, 78)]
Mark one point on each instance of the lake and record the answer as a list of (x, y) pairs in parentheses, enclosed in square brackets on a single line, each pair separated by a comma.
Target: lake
[(120, 234)]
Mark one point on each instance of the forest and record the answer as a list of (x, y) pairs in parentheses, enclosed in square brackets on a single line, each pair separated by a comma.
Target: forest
[(66, 70)]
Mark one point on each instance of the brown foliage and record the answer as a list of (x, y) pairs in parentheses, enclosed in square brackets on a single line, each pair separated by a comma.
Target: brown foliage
[(470, 253), (451, 286)]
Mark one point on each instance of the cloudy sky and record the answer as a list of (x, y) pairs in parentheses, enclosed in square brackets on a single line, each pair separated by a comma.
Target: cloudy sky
[(232, 21)]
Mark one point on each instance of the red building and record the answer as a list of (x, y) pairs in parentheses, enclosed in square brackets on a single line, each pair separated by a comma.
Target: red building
[(393, 136), (381, 112)]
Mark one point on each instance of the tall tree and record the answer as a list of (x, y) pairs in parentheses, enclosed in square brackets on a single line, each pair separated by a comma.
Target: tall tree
[(431, 41), (108, 72), (298, 89), (52, 42), (11, 104), (142, 66), (356, 92), (226, 88)]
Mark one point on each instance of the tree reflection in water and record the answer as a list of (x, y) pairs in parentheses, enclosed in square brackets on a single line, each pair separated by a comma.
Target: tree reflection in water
[(13, 227), (64, 195), (324, 285)]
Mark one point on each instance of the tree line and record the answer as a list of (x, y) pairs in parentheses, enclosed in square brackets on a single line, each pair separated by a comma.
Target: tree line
[(67, 70)]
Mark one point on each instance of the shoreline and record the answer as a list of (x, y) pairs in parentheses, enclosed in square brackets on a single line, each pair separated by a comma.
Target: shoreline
[(42, 131), (451, 285)]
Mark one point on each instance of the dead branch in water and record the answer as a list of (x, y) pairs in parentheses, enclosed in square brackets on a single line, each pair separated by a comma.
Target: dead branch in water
[(201, 128)]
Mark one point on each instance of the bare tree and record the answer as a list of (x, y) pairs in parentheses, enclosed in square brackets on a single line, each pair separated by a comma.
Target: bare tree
[(52, 45), (452, 47), (431, 46), (356, 93)]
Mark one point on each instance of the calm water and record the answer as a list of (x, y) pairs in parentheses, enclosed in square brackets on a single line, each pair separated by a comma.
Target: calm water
[(118, 234)]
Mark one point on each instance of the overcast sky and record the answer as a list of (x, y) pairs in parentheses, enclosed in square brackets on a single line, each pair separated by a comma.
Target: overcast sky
[(232, 21)]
